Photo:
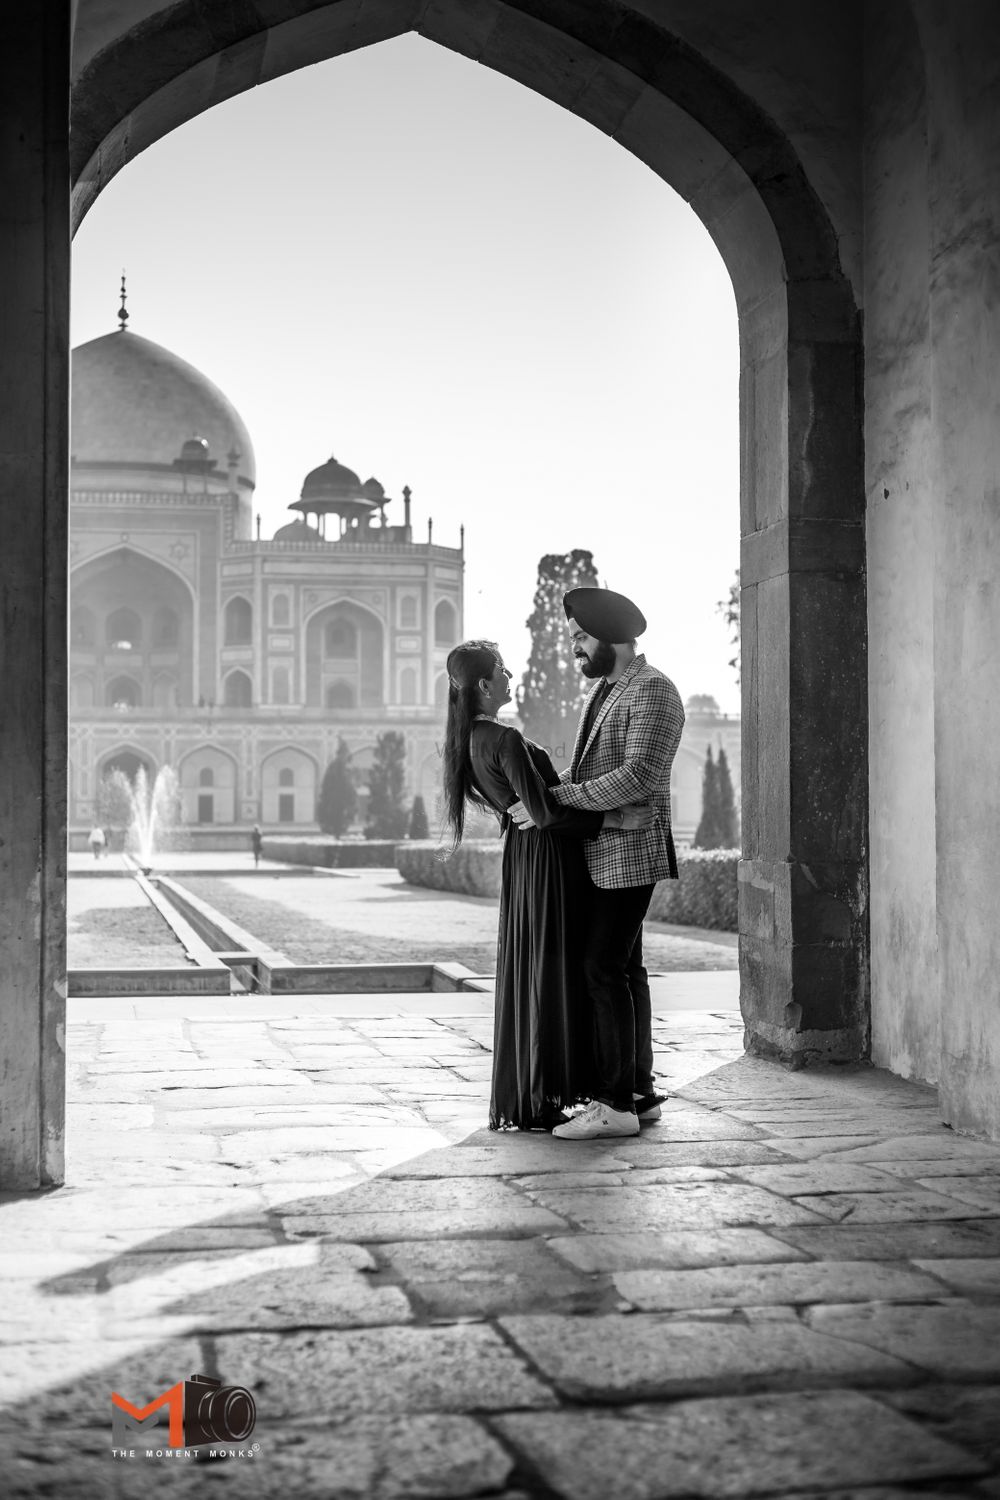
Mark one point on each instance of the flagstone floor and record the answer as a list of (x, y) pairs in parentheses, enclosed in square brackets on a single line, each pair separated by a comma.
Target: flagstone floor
[(789, 1286)]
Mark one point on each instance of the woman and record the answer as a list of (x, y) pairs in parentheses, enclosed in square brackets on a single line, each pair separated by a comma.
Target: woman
[(541, 1045)]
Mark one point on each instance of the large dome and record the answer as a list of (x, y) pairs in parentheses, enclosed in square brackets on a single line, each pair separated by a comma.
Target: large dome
[(136, 403)]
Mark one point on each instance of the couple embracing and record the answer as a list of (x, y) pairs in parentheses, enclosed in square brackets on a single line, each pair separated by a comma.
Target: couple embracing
[(582, 853)]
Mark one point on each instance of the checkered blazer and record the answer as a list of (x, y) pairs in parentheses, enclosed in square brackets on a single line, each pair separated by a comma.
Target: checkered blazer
[(627, 758)]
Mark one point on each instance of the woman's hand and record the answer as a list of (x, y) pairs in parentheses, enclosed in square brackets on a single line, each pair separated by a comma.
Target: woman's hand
[(636, 815)]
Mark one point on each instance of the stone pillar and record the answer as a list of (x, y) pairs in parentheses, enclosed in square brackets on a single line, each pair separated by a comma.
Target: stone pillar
[(803, 878), (34, 407), (962, 50)]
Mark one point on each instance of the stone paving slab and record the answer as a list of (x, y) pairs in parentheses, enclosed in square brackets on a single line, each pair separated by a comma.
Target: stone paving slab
[(311, 1298), (971, 1237), (824, 1176), (674, 1206), (792, 1284), (966, 1415), (700, 1448), (501, 1155), (332, 1375), (619, 1357), (671, 1249), (971, 1278), (958, 1338), (906, 1204)]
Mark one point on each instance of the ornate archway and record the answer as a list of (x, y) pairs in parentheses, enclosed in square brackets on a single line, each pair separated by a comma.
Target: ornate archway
[(804, 874)]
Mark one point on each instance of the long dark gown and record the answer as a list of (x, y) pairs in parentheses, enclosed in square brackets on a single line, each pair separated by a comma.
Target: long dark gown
[(542, 1025)]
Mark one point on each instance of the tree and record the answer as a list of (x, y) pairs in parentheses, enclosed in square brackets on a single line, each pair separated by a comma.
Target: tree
[(707, 833), (729, 821), (551, 693), (338, 797), (702, 703), (729, 609), (386, 809), (419, 826), (113, 803)]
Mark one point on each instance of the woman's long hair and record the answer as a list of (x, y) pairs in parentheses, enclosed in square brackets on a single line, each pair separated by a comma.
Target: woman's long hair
[(466, 664)]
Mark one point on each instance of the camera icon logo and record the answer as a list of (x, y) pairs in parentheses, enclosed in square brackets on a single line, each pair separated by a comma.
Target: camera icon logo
[(216, 1413)]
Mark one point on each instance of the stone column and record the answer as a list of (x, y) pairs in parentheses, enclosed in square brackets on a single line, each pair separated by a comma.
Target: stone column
[(803, 878), (962, 50), (34, 409)]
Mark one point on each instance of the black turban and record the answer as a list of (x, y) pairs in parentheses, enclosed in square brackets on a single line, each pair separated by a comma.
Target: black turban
[(605, 615)]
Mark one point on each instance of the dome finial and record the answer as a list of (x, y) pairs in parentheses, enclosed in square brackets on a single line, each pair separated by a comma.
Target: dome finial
[(123, 310)]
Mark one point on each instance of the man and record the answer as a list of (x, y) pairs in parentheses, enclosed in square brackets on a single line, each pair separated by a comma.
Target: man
[(625, 745)]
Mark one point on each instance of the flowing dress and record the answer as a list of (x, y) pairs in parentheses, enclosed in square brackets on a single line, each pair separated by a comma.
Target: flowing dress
[(542, 1042)]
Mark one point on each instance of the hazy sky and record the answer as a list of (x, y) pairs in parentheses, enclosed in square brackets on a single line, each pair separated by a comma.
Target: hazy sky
[(412, 263)]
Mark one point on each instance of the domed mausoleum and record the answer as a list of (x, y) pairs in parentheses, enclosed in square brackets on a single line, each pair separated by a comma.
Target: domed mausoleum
[(238, 661)]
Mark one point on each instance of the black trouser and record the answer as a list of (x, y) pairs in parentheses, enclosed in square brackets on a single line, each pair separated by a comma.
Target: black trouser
[(618, 989)]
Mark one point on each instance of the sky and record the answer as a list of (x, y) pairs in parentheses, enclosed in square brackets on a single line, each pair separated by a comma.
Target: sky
[(404, 260)]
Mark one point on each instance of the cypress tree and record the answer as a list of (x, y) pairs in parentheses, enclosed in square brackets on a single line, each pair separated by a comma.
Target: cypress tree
[(729, 823), (386, 810), (707, 833), (419, 826), (338, 799), (552, 689)]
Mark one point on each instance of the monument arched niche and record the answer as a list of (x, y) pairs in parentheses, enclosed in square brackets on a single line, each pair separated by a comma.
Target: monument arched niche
[(132, 617), (345, 653)]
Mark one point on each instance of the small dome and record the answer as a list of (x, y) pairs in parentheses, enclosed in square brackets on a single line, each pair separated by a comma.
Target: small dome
[(297, 531), (372, 490), (194, 450), (330, 481)]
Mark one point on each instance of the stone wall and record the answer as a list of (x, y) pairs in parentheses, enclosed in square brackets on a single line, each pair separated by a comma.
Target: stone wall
[(901, 497), (933, 460)]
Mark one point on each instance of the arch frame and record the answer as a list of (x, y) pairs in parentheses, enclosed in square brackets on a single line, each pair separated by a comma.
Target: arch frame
[(227, 675), (804, 876), (381, 620), (145, 556), (804, 873), (125, 748)]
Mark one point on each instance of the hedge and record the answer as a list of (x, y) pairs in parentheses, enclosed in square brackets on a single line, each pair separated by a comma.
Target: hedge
[(330, 853), (473, 869), (704, 896)]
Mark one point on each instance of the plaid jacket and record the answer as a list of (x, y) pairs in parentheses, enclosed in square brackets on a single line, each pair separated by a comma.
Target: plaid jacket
[(627, 758)]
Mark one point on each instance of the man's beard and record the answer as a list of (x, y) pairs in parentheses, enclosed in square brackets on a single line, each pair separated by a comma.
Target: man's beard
[(600, 663)]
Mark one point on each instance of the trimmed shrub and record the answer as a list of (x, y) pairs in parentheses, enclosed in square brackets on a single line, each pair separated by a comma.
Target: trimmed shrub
[(705, 895), (331, 854), (419, 826), (473, 869)]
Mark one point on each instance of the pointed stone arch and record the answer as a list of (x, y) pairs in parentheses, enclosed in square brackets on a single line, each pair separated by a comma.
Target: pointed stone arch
[(804, 963), (804, 875)]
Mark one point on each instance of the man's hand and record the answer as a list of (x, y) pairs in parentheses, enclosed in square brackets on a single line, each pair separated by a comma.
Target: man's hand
[(520, 815)]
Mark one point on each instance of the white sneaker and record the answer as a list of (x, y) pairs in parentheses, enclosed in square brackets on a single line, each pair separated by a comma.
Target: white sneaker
[(598, 1120)]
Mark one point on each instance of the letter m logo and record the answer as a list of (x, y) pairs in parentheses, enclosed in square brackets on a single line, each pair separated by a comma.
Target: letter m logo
[(126, 1418)]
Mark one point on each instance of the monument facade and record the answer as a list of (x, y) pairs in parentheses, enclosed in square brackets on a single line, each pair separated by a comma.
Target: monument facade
[(237, 660)]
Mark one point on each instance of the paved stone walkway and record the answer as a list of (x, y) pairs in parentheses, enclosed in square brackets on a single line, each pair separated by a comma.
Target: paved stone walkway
[(788, 1287)]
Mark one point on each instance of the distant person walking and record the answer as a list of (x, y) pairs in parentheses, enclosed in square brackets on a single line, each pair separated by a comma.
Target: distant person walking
[(97, 841), (257, 843)]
